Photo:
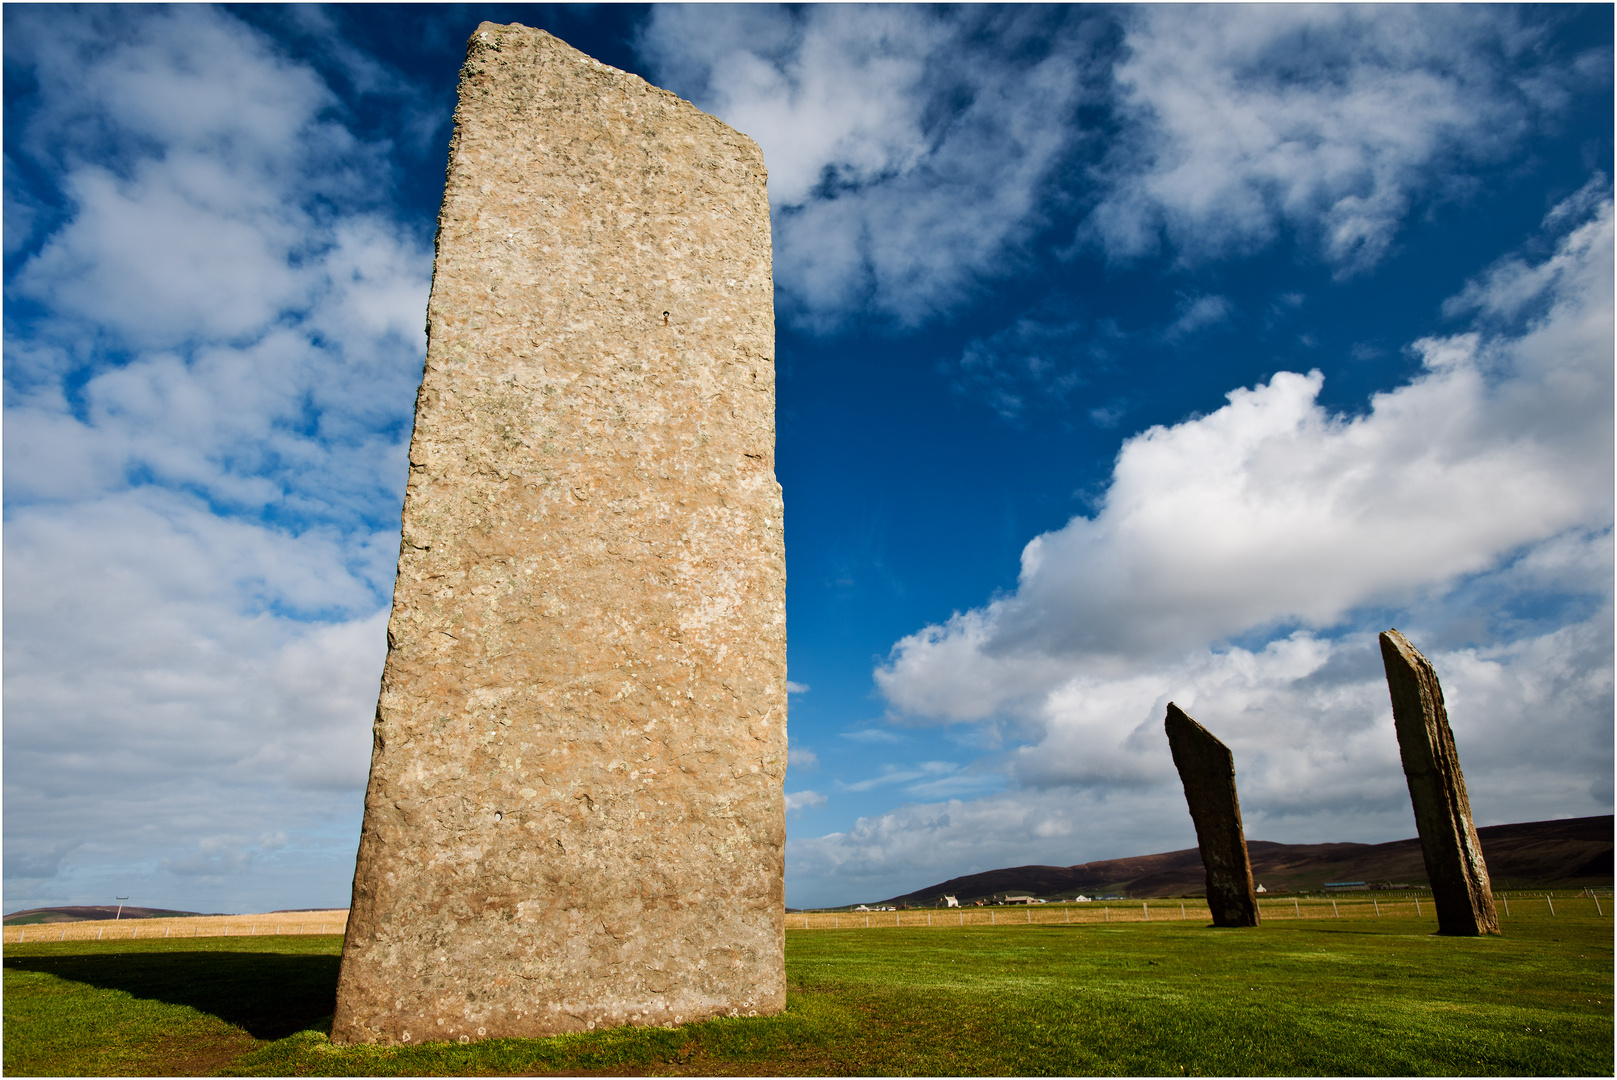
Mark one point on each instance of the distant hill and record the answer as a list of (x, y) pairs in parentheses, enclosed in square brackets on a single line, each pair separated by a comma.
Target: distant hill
[(83, 914), (1575, 852), (302, 910)]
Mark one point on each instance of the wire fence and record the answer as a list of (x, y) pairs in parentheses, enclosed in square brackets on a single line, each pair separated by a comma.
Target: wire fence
[(1351, 905)]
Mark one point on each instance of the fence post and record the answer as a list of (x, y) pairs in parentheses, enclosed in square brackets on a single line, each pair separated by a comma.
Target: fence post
[(1334, 913), (1108, 914), (1417, 907), (1146, 907), (1295, 909), (1068, 912), (1377, 903), (1596, 899), (1550, 902), (1181, 911)]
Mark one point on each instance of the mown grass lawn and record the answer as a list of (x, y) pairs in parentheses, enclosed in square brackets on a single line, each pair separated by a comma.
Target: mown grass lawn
[(1300, 997)]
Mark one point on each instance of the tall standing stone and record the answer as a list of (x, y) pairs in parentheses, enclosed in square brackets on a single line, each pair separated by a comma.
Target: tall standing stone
[(1448, 839), (1207, 770), (574, 815)]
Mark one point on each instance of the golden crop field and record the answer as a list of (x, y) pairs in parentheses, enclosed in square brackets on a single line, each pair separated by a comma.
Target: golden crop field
[(278, 922)]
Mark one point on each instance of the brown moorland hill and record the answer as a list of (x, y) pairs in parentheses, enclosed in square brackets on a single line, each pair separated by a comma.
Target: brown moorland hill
[(1573, 852), (89, 912)]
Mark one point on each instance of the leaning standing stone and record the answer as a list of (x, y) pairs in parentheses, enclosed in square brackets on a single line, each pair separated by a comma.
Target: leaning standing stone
[(1207, 770), (1448, 839), (574, 816)]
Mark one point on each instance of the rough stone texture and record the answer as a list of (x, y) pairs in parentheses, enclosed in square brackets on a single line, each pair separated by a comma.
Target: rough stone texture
[(1448, 839), (1207, 770), (575, 815)]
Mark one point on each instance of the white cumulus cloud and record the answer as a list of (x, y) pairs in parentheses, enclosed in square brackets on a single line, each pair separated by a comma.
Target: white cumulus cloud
[(1272, 510)]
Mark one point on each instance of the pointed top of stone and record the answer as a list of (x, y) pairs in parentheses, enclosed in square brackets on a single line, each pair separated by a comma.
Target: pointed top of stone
[(531, 47), (1394, 639), (1187, 737)]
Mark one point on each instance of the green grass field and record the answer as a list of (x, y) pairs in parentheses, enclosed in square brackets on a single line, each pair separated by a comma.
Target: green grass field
[(1161, 998)]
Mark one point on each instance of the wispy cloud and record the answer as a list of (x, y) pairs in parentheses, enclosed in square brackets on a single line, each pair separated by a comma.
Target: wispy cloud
[(1331, 120), (902, 774), (908, 151), (911, 157), (1032, 363), (1196, 313), (873, 735), (798, 801), (906, 848)]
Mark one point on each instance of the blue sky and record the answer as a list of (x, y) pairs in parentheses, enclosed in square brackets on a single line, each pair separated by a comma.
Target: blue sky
[(1125, 355)]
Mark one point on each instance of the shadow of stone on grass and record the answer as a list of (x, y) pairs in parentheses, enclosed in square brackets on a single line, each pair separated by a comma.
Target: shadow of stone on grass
[(267, 995)]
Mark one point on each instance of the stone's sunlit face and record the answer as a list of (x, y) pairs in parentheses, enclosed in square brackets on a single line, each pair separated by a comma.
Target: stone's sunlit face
[(630, 480)]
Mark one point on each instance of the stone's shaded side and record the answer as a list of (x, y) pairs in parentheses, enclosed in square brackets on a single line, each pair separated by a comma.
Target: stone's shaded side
[(1207, 770), (1448, 839), (575, 816)]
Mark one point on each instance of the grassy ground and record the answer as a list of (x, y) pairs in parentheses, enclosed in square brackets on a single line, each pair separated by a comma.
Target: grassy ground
[(1160, 998)]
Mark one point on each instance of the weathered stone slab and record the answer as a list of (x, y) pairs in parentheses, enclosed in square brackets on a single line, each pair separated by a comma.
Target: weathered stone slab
[(575, 815), (1207, 770), (1448, 839)]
